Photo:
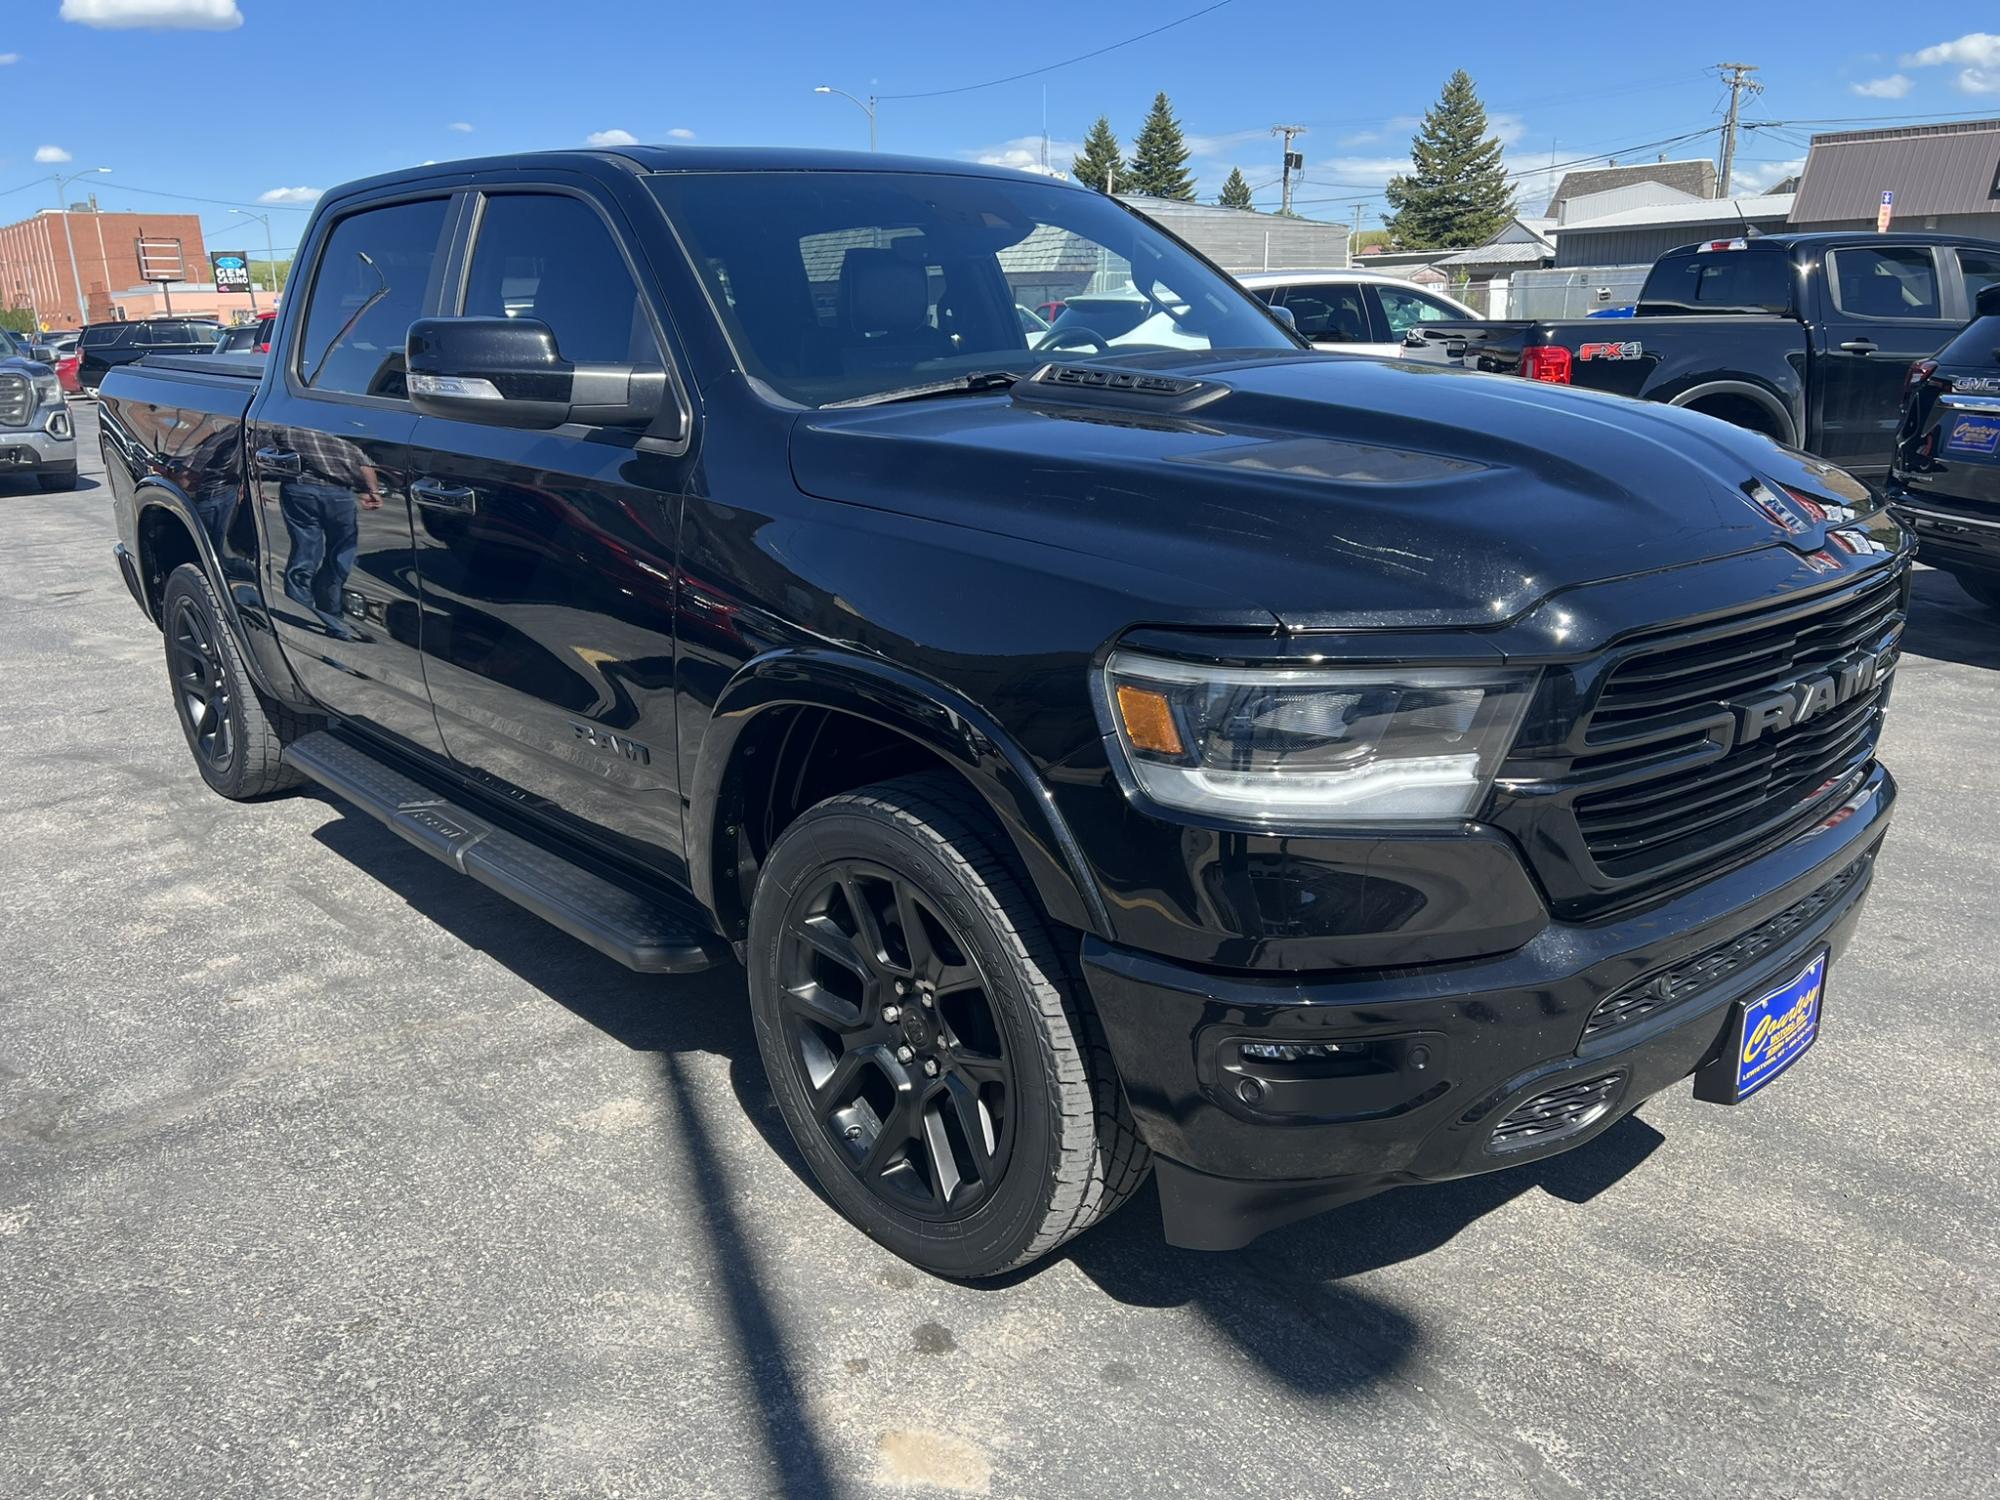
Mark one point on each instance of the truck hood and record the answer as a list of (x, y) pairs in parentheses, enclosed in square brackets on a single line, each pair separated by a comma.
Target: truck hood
[(1331, 491)]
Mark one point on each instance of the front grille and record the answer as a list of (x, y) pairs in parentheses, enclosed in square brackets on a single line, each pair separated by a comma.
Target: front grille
[(1711, 967), (1663, 711), (17, 400), (1560, 1112)]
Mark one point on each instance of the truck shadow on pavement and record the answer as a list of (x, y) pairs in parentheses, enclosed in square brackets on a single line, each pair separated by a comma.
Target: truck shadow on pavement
[(1284, 1303), (1947, 625)]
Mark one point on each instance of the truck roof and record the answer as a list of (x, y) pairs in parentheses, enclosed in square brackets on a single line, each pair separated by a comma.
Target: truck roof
[(1807, 239), (647, 159)]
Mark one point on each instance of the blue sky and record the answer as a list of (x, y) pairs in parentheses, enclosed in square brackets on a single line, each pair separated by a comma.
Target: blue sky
[(260, 103)]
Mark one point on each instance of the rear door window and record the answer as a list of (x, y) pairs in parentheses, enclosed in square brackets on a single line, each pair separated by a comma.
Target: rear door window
[(1330, 313), (105, 337), (375, 277), (1888, 281)]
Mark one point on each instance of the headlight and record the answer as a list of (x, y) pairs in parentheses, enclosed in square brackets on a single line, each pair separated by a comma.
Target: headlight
[(1313, 745), (48, 389)]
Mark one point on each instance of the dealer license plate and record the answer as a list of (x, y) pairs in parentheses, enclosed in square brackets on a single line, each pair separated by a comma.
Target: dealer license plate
[(1765, 1036)]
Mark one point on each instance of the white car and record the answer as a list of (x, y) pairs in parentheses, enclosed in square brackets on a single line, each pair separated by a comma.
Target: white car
[(1354, 312)]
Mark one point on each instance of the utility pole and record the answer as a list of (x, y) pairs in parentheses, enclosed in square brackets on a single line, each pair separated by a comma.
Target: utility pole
[(1737, 76), (1294, 162)]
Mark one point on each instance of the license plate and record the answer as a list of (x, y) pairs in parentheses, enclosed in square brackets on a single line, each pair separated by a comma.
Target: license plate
[(1765, 1036)]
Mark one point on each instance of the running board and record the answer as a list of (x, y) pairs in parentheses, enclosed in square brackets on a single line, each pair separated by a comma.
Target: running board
[(641, 934)]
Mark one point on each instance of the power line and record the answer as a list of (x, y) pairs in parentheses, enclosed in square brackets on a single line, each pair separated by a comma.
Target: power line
[(131, 187), (993, 83)]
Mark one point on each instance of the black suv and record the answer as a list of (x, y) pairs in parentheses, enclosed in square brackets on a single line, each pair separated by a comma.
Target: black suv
[(1160, 745), (105, 346)]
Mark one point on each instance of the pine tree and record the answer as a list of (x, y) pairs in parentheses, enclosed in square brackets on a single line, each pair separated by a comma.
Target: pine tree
[(1456, 192), (1102, 158), (1235, 191), (1160, 156)]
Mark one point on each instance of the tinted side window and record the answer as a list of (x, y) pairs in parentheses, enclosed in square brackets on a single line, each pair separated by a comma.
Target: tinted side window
[(1329, 313), (104, 337), (1981, 269), (544, 256), (371, 284), (1896, 281)]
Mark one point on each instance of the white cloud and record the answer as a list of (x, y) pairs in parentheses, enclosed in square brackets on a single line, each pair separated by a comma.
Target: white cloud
[(51, 153), (9, 58), (292, 195), (1506, 128), (1024, 152), (1762, 176), (1979, 49), (460, 126), (611, 138), (1216, 145), (1978, 56), (681, 133), (182, 15), (1895, 86), (1360, 138)]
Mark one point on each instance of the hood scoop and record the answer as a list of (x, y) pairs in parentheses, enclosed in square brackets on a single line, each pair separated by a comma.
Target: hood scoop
[(1109, 386)]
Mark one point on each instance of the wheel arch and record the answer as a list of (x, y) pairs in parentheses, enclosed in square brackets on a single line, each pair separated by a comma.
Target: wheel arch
[(1784, 424), (166, 533), (755, 745)]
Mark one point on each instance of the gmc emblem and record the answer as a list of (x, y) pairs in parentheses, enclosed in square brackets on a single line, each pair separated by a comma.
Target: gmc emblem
[(1810, 697)]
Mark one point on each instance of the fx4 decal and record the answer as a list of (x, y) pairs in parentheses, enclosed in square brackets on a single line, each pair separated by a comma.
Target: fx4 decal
[(1624, 349)]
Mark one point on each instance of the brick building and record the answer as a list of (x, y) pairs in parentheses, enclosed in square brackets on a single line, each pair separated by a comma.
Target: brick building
[(35, 260)]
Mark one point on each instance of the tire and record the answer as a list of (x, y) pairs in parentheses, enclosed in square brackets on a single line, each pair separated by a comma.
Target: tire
[(1022, 1137), (59, 479), (236, 738), (1984, 591)]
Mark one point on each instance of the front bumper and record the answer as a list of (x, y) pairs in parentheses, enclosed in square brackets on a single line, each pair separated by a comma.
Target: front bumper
[(47, 444), (1433, 1058)]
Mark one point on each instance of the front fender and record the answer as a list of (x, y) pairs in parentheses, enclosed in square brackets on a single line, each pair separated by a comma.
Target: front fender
[(945, 722)]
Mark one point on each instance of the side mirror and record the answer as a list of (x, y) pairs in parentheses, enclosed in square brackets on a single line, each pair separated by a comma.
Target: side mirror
[(508, 372), (1987, 303), (1286, 316)]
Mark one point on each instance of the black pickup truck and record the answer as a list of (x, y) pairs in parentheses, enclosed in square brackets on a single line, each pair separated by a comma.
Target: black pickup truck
[(1806, 338), (1295, 774), (1945, 482)]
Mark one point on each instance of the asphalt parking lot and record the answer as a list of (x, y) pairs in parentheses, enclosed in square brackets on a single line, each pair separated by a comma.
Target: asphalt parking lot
[(324, 1171)]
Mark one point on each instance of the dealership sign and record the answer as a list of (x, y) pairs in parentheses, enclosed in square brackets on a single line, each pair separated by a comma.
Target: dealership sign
[(231, 269)]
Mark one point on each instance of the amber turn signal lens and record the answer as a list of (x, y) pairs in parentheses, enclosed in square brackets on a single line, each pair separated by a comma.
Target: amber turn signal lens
[(1149, 721)]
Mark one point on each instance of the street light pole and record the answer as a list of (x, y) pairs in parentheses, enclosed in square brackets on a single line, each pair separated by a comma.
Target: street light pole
[(270, 260), (69, 238), (867, 109)]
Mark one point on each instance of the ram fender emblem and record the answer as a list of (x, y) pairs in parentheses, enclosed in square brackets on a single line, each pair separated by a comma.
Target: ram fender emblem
[(612, 744)]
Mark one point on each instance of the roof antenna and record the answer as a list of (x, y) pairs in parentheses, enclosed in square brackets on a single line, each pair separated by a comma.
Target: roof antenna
[(1749, 233)]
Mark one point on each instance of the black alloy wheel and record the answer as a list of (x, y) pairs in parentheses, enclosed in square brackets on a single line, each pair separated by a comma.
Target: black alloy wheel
[(202, 691), (236, 737), (890, 1023), (928, 1038)]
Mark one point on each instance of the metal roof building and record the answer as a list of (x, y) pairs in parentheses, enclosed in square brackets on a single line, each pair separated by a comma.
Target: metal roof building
[(1238, 240), (1639, 236), (1945, 177), (1695, 178)]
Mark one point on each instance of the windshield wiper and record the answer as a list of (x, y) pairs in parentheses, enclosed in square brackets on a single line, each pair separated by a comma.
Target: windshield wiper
[(978, 380)]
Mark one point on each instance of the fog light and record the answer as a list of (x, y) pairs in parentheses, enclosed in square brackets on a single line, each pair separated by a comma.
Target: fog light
[(1295, 1051)]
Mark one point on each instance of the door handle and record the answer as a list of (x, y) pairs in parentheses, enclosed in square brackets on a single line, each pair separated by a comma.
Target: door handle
[(442, 496), (1860, 346), (278, 461)]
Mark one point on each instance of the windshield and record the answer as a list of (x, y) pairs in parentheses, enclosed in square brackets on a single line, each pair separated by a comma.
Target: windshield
[(1719, 281), (11, 343), (838, 285)]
